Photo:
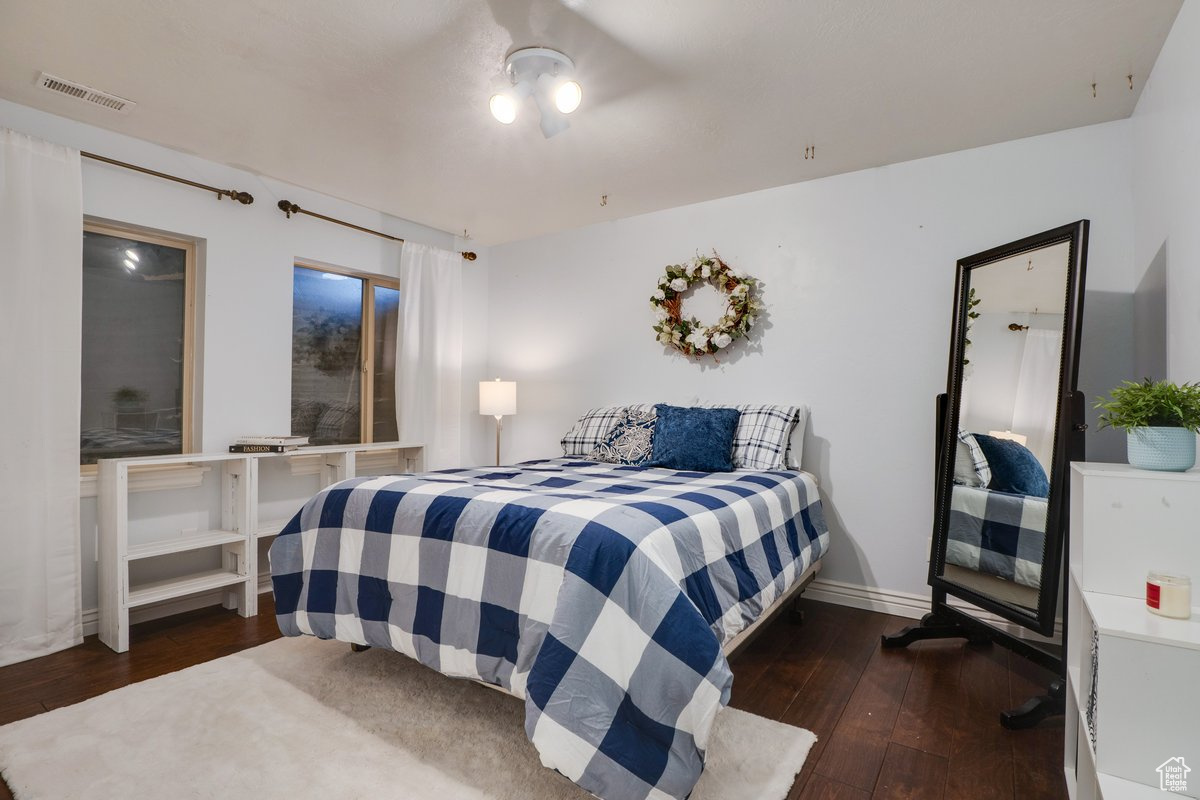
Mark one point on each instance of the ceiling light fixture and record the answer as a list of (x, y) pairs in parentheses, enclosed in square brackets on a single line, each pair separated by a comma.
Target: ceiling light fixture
[(132, 254), (546, 75), (129, 264)]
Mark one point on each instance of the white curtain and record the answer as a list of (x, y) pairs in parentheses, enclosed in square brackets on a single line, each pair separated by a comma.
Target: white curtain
[(41, 233), (429, 353), (1037, 392)]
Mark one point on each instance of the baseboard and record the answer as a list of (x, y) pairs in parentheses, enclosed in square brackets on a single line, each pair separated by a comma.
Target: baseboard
[(905, 604), (168, 608)]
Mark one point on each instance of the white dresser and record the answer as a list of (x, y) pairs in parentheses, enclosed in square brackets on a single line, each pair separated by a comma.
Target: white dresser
[(1133, 678)]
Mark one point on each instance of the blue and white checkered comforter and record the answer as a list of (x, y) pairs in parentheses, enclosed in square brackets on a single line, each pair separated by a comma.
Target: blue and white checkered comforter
[(997, 533), (600, 594)]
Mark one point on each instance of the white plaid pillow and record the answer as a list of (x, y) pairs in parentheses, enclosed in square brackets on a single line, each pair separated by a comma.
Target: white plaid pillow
[(978, 459), (762, 436), (592, 428)]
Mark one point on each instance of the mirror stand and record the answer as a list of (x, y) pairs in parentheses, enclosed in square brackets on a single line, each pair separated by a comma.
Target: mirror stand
[(945, 622)]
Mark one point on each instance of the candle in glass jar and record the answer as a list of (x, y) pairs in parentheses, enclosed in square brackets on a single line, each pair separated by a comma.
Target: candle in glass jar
[(1169, 595)]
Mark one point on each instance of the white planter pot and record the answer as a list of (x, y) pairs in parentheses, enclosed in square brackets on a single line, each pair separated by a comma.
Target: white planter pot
[(1165, 449)]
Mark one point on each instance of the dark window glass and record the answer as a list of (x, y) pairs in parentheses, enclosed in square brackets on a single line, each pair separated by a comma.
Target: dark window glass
[(327, 328), (387, 315), (134, 306)]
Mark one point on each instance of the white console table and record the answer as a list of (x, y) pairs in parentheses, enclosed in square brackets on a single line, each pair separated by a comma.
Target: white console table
[(1133, 699), (228, 507)]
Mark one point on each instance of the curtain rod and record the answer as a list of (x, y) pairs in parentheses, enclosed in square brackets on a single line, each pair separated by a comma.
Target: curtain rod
[(289, 208), (245, 198)]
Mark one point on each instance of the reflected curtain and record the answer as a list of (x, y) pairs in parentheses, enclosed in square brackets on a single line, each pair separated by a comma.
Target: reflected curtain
[(1037, 392), (41, 261), (429, 353)]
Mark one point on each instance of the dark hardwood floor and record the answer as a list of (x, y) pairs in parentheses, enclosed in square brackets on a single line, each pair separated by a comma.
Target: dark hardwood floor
[(915, 723)]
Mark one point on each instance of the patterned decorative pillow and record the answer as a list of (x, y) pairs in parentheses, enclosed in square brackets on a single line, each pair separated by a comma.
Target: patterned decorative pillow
[(763, 435), (592, 428), (978, 459), (631, 441)]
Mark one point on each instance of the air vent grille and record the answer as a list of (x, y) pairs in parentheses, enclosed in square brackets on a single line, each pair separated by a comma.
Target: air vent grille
[(85, 93)]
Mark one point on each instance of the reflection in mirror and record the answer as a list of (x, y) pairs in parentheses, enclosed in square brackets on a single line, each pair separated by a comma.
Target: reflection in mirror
[(996, 532)]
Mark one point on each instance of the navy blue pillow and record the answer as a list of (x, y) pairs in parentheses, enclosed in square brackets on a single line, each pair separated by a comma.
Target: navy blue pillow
[(699, 439), (1014, 468)]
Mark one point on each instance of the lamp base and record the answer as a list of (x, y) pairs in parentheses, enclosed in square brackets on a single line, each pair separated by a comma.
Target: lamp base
[(499, 425)]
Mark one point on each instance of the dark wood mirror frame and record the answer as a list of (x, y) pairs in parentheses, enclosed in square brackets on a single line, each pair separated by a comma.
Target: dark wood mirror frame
[(1065, 433), (945, 621)]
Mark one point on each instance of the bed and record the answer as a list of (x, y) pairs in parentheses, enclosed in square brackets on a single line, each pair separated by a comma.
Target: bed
[(606, 597), (999, 536)]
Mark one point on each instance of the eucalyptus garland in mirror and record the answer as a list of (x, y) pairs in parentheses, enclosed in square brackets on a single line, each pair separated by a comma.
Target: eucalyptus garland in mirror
[(690, 336)]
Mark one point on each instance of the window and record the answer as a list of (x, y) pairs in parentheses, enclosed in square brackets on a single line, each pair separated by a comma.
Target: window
[(343, 356), (138, 311)]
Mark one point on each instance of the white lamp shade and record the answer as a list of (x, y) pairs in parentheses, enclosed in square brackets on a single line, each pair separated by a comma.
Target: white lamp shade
[(497, 398)]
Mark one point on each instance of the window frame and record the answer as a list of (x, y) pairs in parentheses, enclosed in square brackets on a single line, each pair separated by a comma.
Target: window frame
[(366, 371), (126, 231)]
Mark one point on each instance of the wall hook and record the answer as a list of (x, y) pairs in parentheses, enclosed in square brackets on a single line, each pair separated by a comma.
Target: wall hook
[(603, 200), (1093, 88), (1130, 77)]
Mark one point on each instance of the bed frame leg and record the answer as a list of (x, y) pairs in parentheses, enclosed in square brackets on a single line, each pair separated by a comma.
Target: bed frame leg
[(797, 615), (359, 648)]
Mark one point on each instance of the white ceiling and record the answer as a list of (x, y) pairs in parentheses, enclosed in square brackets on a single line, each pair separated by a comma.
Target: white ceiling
[(385, 103)]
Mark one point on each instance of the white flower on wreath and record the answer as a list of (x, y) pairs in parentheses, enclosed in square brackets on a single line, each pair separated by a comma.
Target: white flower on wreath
[(659, 294), (664, 281), (698, 339), (706, 271), (660, 312), (739, 290), (722, 339), (679, 285), (665, 336), (690, 269)]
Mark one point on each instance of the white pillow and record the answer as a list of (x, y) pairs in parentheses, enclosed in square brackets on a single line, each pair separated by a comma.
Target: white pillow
[(796, 443)]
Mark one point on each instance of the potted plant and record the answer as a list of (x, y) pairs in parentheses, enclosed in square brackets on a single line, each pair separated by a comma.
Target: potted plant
[(129, 398), (1160, 419)]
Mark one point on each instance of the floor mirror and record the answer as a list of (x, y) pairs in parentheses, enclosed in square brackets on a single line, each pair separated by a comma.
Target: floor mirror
[(1009, 424)]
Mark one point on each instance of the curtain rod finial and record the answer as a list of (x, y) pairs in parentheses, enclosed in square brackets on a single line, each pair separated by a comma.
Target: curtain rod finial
[(245, 198), (468, 255), (288, 208)]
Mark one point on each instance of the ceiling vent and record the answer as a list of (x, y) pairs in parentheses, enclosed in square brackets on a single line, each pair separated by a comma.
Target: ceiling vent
[(85, 93)]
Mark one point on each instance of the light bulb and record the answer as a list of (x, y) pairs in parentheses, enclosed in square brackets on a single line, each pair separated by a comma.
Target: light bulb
[(132, 254), (130, 264), (567, 97), (503, 107)]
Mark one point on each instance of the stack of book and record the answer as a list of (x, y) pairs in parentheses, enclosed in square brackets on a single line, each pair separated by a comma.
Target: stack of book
[(267, 444)]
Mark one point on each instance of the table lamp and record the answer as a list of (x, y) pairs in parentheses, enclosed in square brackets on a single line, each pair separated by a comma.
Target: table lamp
[(497, 399)]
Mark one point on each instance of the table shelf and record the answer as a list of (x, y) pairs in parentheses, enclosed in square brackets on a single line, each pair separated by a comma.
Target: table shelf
[(182, 544), (157, 591), (237, 532)]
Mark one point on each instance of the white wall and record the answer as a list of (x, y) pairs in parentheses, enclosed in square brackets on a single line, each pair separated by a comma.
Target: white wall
[(858, 275), (246, 256), (1166, 186)]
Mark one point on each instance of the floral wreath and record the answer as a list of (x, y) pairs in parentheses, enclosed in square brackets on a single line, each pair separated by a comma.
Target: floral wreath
[(690, 336)]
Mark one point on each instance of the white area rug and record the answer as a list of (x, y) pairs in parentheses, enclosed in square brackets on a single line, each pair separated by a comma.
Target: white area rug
[(302, 718)]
